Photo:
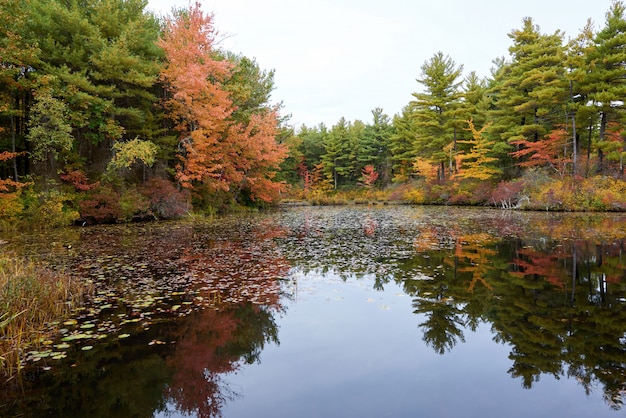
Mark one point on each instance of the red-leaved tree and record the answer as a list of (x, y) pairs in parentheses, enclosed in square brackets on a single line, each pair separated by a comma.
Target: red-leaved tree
[(197, 103), (216, 151)]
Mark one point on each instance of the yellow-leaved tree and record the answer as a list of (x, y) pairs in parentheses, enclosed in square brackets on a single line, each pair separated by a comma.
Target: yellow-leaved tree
[(477, 162)]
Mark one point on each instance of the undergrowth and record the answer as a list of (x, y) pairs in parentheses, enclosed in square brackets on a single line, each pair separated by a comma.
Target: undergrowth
[(31, 298)]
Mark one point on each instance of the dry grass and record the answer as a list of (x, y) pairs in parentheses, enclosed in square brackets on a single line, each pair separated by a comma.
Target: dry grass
[(31, 297)]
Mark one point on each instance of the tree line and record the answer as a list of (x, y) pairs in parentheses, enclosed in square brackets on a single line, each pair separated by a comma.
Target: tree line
[(109, 112), (554, 108)]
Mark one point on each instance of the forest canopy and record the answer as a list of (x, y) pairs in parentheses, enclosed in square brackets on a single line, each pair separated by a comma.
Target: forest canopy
[(109, 113)]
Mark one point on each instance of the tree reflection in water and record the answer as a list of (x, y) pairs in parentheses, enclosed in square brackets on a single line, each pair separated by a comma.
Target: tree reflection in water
[(552, 287), (202, 297)]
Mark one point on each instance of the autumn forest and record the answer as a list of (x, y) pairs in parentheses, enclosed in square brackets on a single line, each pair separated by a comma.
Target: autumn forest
[(109, 113)]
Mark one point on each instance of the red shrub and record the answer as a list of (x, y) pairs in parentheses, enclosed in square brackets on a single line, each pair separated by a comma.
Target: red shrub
[(507, 193), (101, 205), (166, 201), (79, 180)]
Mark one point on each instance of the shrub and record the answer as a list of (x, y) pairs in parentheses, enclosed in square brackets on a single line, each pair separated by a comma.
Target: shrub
[(133, 204), (78, 179), (399, 192), (461, 197), (166, 202), (415, 196), (508, 194), (49, 209), (11, 206), (102, 205)]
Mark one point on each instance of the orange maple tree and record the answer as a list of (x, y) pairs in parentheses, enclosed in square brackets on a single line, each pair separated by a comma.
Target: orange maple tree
[(215, 150)]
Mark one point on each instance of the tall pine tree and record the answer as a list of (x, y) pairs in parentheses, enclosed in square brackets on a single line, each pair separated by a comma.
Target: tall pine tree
[(436, 114), (607, 81)]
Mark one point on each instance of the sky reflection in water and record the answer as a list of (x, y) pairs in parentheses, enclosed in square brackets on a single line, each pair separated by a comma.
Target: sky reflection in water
[(348, 350), (394, 311)]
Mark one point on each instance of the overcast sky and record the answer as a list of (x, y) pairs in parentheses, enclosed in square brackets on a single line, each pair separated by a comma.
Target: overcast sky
[(337, 58)]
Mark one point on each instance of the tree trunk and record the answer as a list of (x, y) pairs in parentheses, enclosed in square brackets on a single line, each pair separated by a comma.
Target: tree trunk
[(589, 145), (13, 148), (574, 146), (603, 121)]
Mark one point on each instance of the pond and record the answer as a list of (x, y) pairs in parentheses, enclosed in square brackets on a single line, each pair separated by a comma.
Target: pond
[(365, 311)]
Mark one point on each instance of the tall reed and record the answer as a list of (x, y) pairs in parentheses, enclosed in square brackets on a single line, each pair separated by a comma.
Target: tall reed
[(32, 297)]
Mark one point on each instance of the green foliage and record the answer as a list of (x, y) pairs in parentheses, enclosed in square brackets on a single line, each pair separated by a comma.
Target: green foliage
[(403, 153), (49, 132), (104, 60), (605, 77), (374, 145), (436, 111), (50, 208), (249, 86), (133, 204), (135, 151), (79, 80)]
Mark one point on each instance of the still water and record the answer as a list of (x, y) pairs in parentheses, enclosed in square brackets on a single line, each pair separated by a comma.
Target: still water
[(336, 312)]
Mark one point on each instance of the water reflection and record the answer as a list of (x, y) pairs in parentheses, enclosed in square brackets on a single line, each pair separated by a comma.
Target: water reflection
[(202, 301), (553, 288), (176, 308)]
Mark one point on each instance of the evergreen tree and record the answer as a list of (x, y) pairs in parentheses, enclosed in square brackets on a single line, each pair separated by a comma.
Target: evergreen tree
[(336, 157), (401, 144), (436, 110), (474, 102), (607, 80), (356, 131), (249, 86), (530, 92), (375, 145), (105, 61), (312, 146), (581, 115), (16, 58)]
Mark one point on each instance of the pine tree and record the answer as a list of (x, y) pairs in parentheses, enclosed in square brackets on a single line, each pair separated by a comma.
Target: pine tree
[(336, 157), (401, 144), (375, 145), (104, 60), (581, 116), (607, 76), (529, 93), (17, 56), (436, 110)]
